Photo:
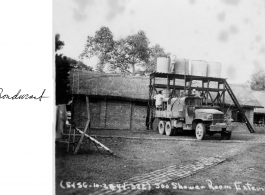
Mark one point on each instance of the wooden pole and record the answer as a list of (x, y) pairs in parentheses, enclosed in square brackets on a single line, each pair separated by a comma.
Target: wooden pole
[(86, 127), (222, 98), (148, 105), (82, 137), (152, 105), (88, 116), (95, 141)]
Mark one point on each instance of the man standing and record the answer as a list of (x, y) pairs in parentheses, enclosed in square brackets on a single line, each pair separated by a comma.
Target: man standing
[(159, 98)]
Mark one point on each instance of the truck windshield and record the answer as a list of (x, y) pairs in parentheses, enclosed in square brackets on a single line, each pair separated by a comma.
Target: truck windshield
[(193, 101)]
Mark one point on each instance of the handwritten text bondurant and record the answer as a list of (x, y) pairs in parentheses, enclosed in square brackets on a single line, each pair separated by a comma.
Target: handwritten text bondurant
[(19, 96)]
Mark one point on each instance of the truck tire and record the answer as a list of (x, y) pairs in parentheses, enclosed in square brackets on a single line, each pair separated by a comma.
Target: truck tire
[(168, 129), (226, 135), (161, 127), (200, 131)]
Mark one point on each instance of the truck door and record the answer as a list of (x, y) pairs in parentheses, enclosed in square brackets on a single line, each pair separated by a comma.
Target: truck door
[(189, 114)]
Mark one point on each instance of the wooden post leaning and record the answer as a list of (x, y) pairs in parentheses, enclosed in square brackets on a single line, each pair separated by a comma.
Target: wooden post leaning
[(86, 127), (86, 130)]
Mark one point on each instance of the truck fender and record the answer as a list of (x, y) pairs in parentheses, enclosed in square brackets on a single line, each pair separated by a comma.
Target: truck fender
[(195, 122)]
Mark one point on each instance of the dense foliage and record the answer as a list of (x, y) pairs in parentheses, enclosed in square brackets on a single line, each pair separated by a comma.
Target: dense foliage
[(124, 54), (62, 79), (257, 81), (101, 46), (63, 66), (58, 43), (78, 64), (155, 52)]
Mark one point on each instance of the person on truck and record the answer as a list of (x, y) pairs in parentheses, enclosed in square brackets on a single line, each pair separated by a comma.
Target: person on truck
[(159, 98), (195, 92)]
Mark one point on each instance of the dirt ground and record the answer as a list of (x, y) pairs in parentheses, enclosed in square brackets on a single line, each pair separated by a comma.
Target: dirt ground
[(136, 153), (237, 175)]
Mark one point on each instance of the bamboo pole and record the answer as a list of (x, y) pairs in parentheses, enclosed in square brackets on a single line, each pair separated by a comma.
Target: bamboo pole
[(82, 137), (95, 141)]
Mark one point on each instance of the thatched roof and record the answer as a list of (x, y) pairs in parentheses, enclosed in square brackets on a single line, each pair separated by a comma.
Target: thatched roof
[(242, 92), (109, 85), (244, 96), (260, 95), (137, 87)]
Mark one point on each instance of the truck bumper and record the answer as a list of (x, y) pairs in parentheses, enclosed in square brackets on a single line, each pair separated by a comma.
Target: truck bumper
[(220, 127)]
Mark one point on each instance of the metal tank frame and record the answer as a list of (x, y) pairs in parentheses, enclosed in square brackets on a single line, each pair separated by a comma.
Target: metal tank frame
[(170, 79), (186, 89)]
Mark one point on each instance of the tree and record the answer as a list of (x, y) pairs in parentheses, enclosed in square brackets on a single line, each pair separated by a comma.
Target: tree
[(62, 79), (62, 71), (101, 46), (120, 59), (155, 52), (58, 43), (130, 51), (257, 80), (78, 64)]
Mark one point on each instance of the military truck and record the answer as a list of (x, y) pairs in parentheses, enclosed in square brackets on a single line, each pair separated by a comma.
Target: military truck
[(188, 113)]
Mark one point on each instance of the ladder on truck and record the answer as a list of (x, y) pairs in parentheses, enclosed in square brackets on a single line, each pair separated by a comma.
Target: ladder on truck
[(240, 109)]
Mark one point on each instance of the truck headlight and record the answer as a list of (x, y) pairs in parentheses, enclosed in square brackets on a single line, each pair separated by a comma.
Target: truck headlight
[(209, 116)]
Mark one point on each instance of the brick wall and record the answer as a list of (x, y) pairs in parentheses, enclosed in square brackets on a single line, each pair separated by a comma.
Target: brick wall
[(110, 113), (139, 112), (103, 110), (118, 114), (95, 108), (80, 111)]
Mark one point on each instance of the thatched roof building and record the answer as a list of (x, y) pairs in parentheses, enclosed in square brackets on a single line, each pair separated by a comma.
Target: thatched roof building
[(260, 95), (244, 96), (109, 85), (136, 87)]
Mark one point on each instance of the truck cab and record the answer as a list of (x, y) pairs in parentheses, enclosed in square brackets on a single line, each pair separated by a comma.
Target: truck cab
[(188, 113)]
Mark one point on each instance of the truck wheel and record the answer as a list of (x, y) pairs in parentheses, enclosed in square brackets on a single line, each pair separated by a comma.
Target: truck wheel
[(200, 131), (226, 135), (168, 129), (161, 127)]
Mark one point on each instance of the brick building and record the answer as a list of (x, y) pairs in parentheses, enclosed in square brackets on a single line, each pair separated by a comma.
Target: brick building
[(120, 102), (115, 101)]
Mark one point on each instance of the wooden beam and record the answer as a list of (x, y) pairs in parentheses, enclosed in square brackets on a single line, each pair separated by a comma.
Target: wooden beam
[(211, 97), (182, 87), (188, 77), (82, 137), (152, 105), (86, 127), (217, 97), (95, 141), (88, 116), (149, 104), (207, 92), (223, 106)]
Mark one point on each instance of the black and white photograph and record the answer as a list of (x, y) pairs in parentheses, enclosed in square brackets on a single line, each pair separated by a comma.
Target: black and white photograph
[(158, 97)]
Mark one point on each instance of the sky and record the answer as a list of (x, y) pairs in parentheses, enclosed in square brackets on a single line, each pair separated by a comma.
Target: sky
[(231, 32)]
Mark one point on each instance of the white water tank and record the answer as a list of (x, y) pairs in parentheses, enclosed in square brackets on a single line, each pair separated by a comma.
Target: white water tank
[(181, 66), (162, 64), (214, 69), (199, 68)]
